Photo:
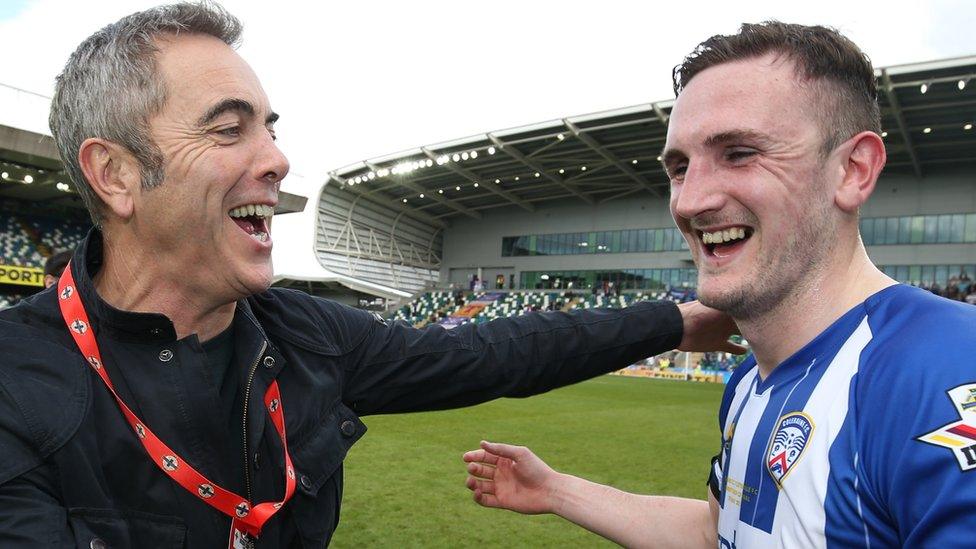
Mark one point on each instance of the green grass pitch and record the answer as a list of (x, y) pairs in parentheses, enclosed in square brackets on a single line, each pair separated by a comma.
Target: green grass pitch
[(404, 481)]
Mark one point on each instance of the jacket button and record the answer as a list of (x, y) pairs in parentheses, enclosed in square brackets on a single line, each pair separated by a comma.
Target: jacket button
[(98, 543), (306, 482), (348, 428), (269, 362), (165, 355)]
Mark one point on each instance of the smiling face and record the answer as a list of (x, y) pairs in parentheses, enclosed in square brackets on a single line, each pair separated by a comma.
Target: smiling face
[(749, 184), (211, 215)]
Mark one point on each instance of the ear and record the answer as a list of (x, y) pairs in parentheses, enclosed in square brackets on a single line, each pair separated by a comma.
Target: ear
[(864, 157), (112, 172)]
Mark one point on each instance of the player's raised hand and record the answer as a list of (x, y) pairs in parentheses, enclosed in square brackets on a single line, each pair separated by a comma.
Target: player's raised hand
[(706, 329), (510, 477)]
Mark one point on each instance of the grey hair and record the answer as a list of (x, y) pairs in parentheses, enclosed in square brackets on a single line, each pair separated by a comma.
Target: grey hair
[(110, 87)]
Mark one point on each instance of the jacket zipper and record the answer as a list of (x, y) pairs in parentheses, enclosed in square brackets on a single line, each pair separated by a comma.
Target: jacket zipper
[(247, 398)]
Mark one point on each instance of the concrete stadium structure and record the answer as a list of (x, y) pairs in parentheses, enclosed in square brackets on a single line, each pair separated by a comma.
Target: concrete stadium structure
[(588, 198)]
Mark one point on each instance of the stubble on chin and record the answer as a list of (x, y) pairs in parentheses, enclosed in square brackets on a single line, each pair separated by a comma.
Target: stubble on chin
[(776, 284)]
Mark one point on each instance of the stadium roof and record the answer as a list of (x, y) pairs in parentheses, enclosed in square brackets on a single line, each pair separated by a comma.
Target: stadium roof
[(928, 110)]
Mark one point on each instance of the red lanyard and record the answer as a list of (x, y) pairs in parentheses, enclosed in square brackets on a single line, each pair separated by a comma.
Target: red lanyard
[(247, 518)]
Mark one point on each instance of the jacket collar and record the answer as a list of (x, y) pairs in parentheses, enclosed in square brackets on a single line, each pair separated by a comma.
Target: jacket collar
[(130, 325), (126, 325)]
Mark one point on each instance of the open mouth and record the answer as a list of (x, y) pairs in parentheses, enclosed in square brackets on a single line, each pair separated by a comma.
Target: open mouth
[(724, 242), (253, 219)]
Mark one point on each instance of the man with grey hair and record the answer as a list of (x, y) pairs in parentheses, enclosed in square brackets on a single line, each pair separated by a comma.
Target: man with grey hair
[(162, 395)]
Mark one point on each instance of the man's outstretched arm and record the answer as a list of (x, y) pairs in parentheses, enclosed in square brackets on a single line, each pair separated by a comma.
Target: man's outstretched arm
[(514, 478), (396, 368)]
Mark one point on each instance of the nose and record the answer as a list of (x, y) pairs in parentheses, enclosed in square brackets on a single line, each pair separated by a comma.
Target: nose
[(272, 165), (698, 193)]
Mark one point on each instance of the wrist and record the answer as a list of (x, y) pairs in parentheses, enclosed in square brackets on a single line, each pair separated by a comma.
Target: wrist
[(559, 499)]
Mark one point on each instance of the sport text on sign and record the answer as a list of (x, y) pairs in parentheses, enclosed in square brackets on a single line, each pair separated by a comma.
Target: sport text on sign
[(24, 276)]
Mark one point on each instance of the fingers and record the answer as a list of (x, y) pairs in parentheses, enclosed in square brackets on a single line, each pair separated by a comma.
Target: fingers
[(481, 470), (513, 453), (486, 500), (480, 485), (734, 348), (480, 456)]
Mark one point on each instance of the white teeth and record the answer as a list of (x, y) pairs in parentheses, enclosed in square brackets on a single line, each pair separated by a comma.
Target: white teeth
[(263, 237), (725, 235), (259, 210)]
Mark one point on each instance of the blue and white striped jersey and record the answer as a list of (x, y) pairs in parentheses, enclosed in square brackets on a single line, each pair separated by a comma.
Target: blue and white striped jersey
[(866, 437)]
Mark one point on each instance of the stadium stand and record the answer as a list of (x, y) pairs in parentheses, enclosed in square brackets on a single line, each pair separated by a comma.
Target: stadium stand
[(479, 307), (26, 241), (16, 245), (422, 310), (9, 300), (57, 235)]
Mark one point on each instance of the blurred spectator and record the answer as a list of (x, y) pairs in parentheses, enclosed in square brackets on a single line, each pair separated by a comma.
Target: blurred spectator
[(958, 288), (54, 266)]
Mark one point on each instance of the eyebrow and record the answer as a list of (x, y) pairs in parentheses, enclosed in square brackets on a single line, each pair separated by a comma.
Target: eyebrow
[(232, 104), (733, 136), (671, 156)]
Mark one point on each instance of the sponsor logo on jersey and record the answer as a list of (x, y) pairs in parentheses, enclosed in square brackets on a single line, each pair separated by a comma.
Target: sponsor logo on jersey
[(727, 441), (787, 444), (958, 436), (969, 400)]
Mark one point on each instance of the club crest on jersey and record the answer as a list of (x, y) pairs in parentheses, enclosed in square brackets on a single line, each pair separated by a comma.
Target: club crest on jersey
[(787, 444), (958, 436)]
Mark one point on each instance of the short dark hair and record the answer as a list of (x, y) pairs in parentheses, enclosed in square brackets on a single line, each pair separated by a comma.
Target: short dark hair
[(55, 264), (821, 55)]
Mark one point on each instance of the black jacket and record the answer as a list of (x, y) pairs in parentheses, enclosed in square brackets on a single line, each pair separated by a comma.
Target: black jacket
[(71, 469)]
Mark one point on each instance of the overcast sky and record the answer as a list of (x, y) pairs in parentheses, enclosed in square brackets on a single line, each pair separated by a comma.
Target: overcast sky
[(359, 79)]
